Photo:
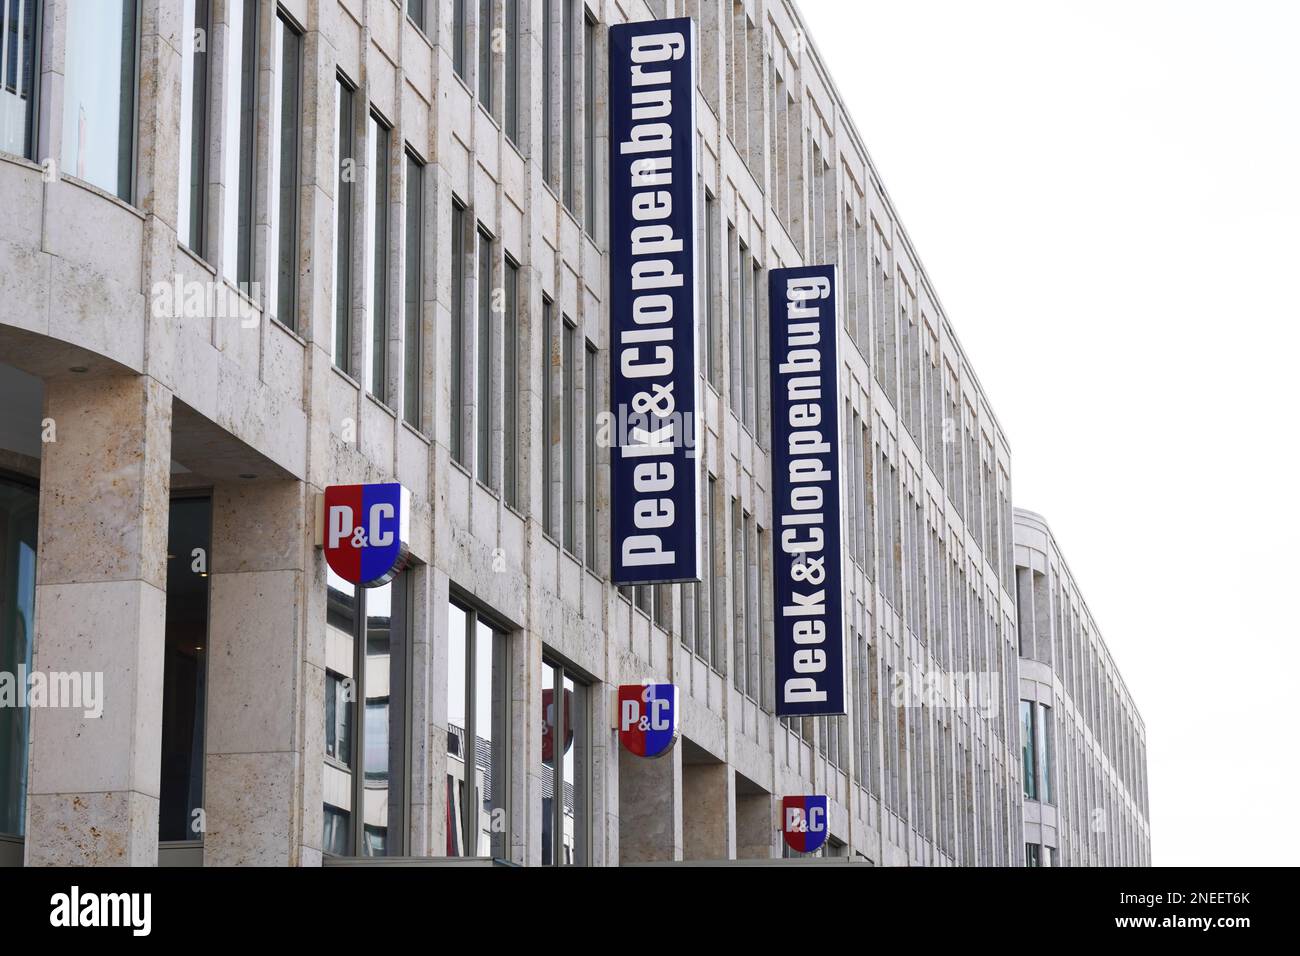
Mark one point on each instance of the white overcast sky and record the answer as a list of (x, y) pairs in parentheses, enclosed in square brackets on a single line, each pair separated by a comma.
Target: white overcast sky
[(1106, 196)]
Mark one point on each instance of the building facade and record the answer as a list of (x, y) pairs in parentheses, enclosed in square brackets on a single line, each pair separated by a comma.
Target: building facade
[(253, 250), (1083, 742)]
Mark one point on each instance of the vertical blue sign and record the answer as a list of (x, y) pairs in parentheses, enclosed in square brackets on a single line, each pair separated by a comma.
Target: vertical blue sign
[(808, 605), (654, 481)]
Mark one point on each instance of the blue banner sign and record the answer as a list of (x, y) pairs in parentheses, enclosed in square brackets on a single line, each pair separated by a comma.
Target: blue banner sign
[(654, 480), (808, 605)]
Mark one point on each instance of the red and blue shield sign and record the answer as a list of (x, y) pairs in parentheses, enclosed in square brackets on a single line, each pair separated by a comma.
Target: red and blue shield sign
[(803, 822), (647, 718), (367, 531)]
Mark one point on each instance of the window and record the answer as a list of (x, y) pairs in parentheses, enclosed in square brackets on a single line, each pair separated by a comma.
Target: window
[(196, 29), (288, 118), (458, 37), (99, 94), (20, 32), (712, 296), (739, 609), (716, 551), (241, 129), (344, 119), (568, 437), (485, 55), (510, 382), (377, 238), (1028, 750), (548, 91), (567, 773), (589, 452), (184, 668), (367, 663), (1031, 854), (511, 13), (589, 122), (18, 504), (415, 10), (568, 83), (1046, 753), (483, 405), (477, 728), (547, 353), (459, 321), (412, 333)]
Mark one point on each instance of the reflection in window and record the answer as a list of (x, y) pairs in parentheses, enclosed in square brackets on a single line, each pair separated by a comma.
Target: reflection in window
[(1046, 756), (17, 616), (288, 122), (185, 668), (483, 410), (377, 238), (477, 711), (412, 333), (344, 120), (1028, 750), (366, 648), (569, 774), (19, 33), (99, 93), (196, 29)]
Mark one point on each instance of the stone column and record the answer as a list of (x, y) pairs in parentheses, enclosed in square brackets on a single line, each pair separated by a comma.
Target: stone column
[(649, 807), (707, 822), (101, 578), (265, 724), (754, 815)]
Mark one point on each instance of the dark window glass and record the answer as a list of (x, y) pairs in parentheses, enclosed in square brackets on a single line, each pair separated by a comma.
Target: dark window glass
[(18, 503), (458, 320), (290, 118), (184, 668), (346, 158), (412, 335)]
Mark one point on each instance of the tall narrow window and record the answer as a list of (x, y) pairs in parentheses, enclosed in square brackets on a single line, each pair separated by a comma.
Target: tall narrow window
[(511, 437), (99, 94), (196, 30), (459, 320), (739, 610), (367, 653), (184, 670), (548, 91), (344, 119), (712, 289), (413, 330), (1028, 749), (743, 401), (483, 405), (510, 11), (716, 552), (241, 129), (589, 450), (568, 438), (1046, 753), (477, 745), (547, 354), (485, 55), (589, 122), (567, 87), (376, 379), (459, 38), (18, 513), (18, 92), (566, 767), (288, 120)]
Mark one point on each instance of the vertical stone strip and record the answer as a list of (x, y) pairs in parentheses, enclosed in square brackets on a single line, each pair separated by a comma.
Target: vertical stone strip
[(261, 784), (101, 579)]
